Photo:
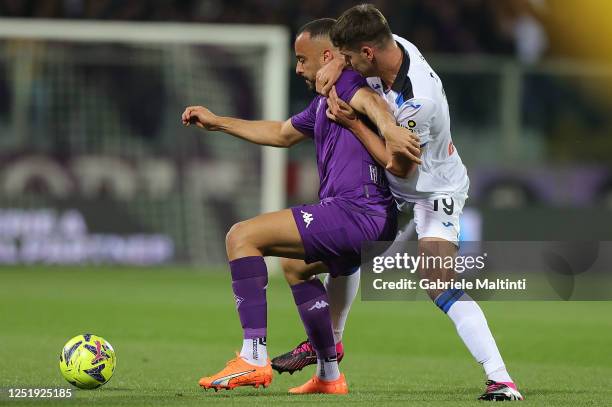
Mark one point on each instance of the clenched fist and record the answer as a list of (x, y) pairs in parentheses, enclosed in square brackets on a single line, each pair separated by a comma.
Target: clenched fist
[(201, 117)]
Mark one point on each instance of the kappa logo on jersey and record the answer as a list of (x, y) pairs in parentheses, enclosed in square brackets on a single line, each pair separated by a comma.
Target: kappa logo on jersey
[(318, 305), (414, 105), (307, 218)]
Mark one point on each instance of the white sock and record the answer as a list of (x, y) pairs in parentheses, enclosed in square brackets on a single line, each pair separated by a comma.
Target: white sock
[(473, 329), (254, 351), (327, 369), (341, 291)]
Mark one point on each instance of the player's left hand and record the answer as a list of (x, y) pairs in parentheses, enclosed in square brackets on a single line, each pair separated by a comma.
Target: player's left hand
[(340, 111), (328, 75)]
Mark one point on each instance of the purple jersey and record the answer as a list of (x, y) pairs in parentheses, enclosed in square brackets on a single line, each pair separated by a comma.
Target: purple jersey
[(346, 168)]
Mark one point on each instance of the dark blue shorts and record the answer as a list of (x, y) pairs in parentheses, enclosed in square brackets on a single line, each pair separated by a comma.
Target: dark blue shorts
[(333, 230)]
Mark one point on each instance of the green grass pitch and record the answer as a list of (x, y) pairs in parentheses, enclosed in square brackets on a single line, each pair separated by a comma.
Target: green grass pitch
[(171, 326)]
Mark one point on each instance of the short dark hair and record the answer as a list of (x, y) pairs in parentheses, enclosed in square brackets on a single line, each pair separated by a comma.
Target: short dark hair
[(318, 28), (359, 24)]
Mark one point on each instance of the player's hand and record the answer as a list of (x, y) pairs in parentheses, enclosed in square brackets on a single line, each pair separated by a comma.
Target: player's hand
[(402, 142), (340, 111), (201, 117), (328, 75)]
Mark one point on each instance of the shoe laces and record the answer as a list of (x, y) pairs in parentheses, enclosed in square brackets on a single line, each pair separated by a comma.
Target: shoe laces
[(303, 347)]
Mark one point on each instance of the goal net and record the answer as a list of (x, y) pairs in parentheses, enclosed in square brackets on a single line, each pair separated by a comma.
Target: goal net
[(95, 165)]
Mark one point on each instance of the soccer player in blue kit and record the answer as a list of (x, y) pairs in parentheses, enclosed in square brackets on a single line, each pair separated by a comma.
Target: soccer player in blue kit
[(437, 189), (355, 206)]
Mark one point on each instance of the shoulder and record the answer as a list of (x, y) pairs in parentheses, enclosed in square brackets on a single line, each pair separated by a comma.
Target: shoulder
[(375, 83), (315, 103), (349, 76), (417, 107)]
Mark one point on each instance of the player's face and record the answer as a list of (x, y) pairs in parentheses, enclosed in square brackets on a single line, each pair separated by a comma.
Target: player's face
[(360, 60), (309, 54)]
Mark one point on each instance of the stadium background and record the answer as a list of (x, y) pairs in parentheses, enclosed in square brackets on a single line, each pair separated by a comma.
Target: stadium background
[(92, 150)]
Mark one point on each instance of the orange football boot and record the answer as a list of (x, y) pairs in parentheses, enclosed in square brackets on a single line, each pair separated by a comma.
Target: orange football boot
[(238, 372), (316, 385)]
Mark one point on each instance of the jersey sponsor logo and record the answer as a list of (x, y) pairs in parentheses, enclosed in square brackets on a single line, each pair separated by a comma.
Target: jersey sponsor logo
[(307, 218), (318, 305), (224, 381)]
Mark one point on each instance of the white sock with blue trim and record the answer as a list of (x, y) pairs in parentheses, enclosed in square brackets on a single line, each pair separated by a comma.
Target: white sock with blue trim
[(473, 329)]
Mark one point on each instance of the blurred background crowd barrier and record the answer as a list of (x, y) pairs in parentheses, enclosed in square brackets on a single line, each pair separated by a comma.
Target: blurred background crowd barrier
[(95, 165)]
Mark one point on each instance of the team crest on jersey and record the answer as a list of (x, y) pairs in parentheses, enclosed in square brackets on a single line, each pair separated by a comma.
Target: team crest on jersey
[(410, 124), (373, 173)]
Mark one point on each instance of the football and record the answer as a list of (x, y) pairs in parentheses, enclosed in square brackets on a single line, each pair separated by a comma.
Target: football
[(87, 361)]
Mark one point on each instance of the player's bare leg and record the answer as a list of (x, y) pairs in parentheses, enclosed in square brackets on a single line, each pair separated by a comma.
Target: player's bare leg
[(340, 291), (469, 321), (271, 234)]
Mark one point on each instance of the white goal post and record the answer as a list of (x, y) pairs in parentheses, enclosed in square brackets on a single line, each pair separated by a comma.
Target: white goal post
[(275, 39)]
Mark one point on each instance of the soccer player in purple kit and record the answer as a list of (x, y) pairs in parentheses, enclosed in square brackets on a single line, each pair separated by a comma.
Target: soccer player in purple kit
[(355, 206)]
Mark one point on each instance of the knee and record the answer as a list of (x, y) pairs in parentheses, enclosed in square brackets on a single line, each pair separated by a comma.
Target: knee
[(291, 270), (288, 266), (236, 237)]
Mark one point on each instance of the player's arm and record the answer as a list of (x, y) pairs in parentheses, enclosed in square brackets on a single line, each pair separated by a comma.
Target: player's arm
[(400, 142), (342, 113), (263, 132)]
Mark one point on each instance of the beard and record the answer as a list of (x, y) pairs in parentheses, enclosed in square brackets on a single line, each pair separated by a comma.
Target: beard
[(310, 84)]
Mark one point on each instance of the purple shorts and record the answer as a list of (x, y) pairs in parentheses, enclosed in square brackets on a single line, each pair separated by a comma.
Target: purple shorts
[(333, 230)]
